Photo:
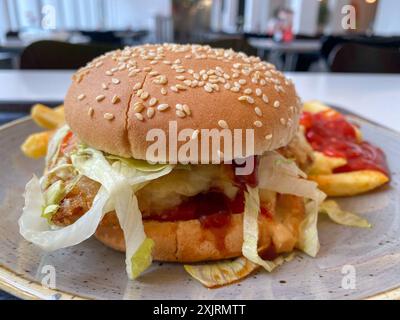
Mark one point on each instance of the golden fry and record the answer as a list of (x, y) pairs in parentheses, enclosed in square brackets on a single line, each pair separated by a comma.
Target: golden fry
[(325, 165), (46, 117), (349, 183), (35, 146), (315, 106)]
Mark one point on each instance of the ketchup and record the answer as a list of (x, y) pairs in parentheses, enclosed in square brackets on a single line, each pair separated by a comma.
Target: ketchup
[(213, 209), (330, 133), (68, 143), (252, 178)]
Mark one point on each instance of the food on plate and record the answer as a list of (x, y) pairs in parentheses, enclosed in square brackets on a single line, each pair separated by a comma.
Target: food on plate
[(35, 146), (102, 176), (344, 164)]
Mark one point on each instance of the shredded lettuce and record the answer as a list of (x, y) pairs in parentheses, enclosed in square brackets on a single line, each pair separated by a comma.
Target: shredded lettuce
[(277, 174), (346, 218), (250, 229), (119, 181), (36, 229), (54, 145)]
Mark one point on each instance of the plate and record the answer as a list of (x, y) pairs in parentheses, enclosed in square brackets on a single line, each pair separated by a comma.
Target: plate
[(352, 263)]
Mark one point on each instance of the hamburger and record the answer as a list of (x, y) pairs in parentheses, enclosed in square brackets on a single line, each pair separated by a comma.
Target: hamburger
[(134, 166)]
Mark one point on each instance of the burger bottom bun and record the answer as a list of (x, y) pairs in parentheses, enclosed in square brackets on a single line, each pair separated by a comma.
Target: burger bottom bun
[(188, 241)]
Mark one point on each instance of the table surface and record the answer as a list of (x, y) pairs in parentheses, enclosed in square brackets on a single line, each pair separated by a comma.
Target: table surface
[(374, 96), (297, 45)]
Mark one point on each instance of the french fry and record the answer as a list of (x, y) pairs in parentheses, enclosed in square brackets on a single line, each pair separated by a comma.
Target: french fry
[(315, 106), (35, 146), (325, 165), (46, 117), (349, 183)]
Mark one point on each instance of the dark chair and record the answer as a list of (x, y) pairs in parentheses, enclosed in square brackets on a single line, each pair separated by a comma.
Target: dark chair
[(354, 57), (60, 55)]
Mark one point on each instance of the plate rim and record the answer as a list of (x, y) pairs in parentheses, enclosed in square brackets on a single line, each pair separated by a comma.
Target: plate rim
[(17, 285)]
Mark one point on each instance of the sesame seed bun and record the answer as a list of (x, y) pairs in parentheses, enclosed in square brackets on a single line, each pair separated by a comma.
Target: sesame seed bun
[(205, 244), (117, 98)]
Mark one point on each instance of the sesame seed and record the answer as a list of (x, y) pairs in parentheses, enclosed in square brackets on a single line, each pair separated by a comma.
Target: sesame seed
[(139, 116), (180, 87), (268, 137), (265, 98), (258, 111), (181, 70), (108, 116), (242, 81), (187, 110), (115, 81), (223, 124), (100, 97), (180, 113), (283, 121), (162, 107), (104, 86), (180, 77), (235, 89), (174, 89), (153, 101), (115, 99), (195, 134), (137, 86), (258, 92), (147, 69), (167, 62), (90, 112), (138, 107), (276, 104), (108, 73), (248, 91), (81, 97), (164, 91), (258, 123), (179, 106), (208, 88), (150, 112), (246, 98), (227, 86), (187, 82), (144, 95)]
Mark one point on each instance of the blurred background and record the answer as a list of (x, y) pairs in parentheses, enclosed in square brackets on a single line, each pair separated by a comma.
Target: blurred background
[(316, 38), (297, 35)]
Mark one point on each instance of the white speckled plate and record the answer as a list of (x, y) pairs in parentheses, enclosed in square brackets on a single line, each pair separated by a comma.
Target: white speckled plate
[(91, 270)]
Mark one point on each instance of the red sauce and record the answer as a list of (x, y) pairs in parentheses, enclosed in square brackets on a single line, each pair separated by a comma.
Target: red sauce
[(252, 178), (330, 133), (269, 253), (213, 209), (68, 143)]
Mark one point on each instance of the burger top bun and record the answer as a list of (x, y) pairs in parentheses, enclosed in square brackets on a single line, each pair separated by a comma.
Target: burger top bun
[(116, 99)]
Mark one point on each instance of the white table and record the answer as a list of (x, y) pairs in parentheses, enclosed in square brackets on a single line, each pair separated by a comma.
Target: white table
[(376, 97), (290, 49)]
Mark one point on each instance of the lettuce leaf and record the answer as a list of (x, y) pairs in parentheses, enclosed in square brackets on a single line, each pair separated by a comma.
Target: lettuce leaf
[(250, 229), (119, 182), (279, 175), (36, 229), (346, 218)]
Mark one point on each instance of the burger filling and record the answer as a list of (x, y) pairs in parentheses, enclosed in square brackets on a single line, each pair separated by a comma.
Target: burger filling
[(78, 179)]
